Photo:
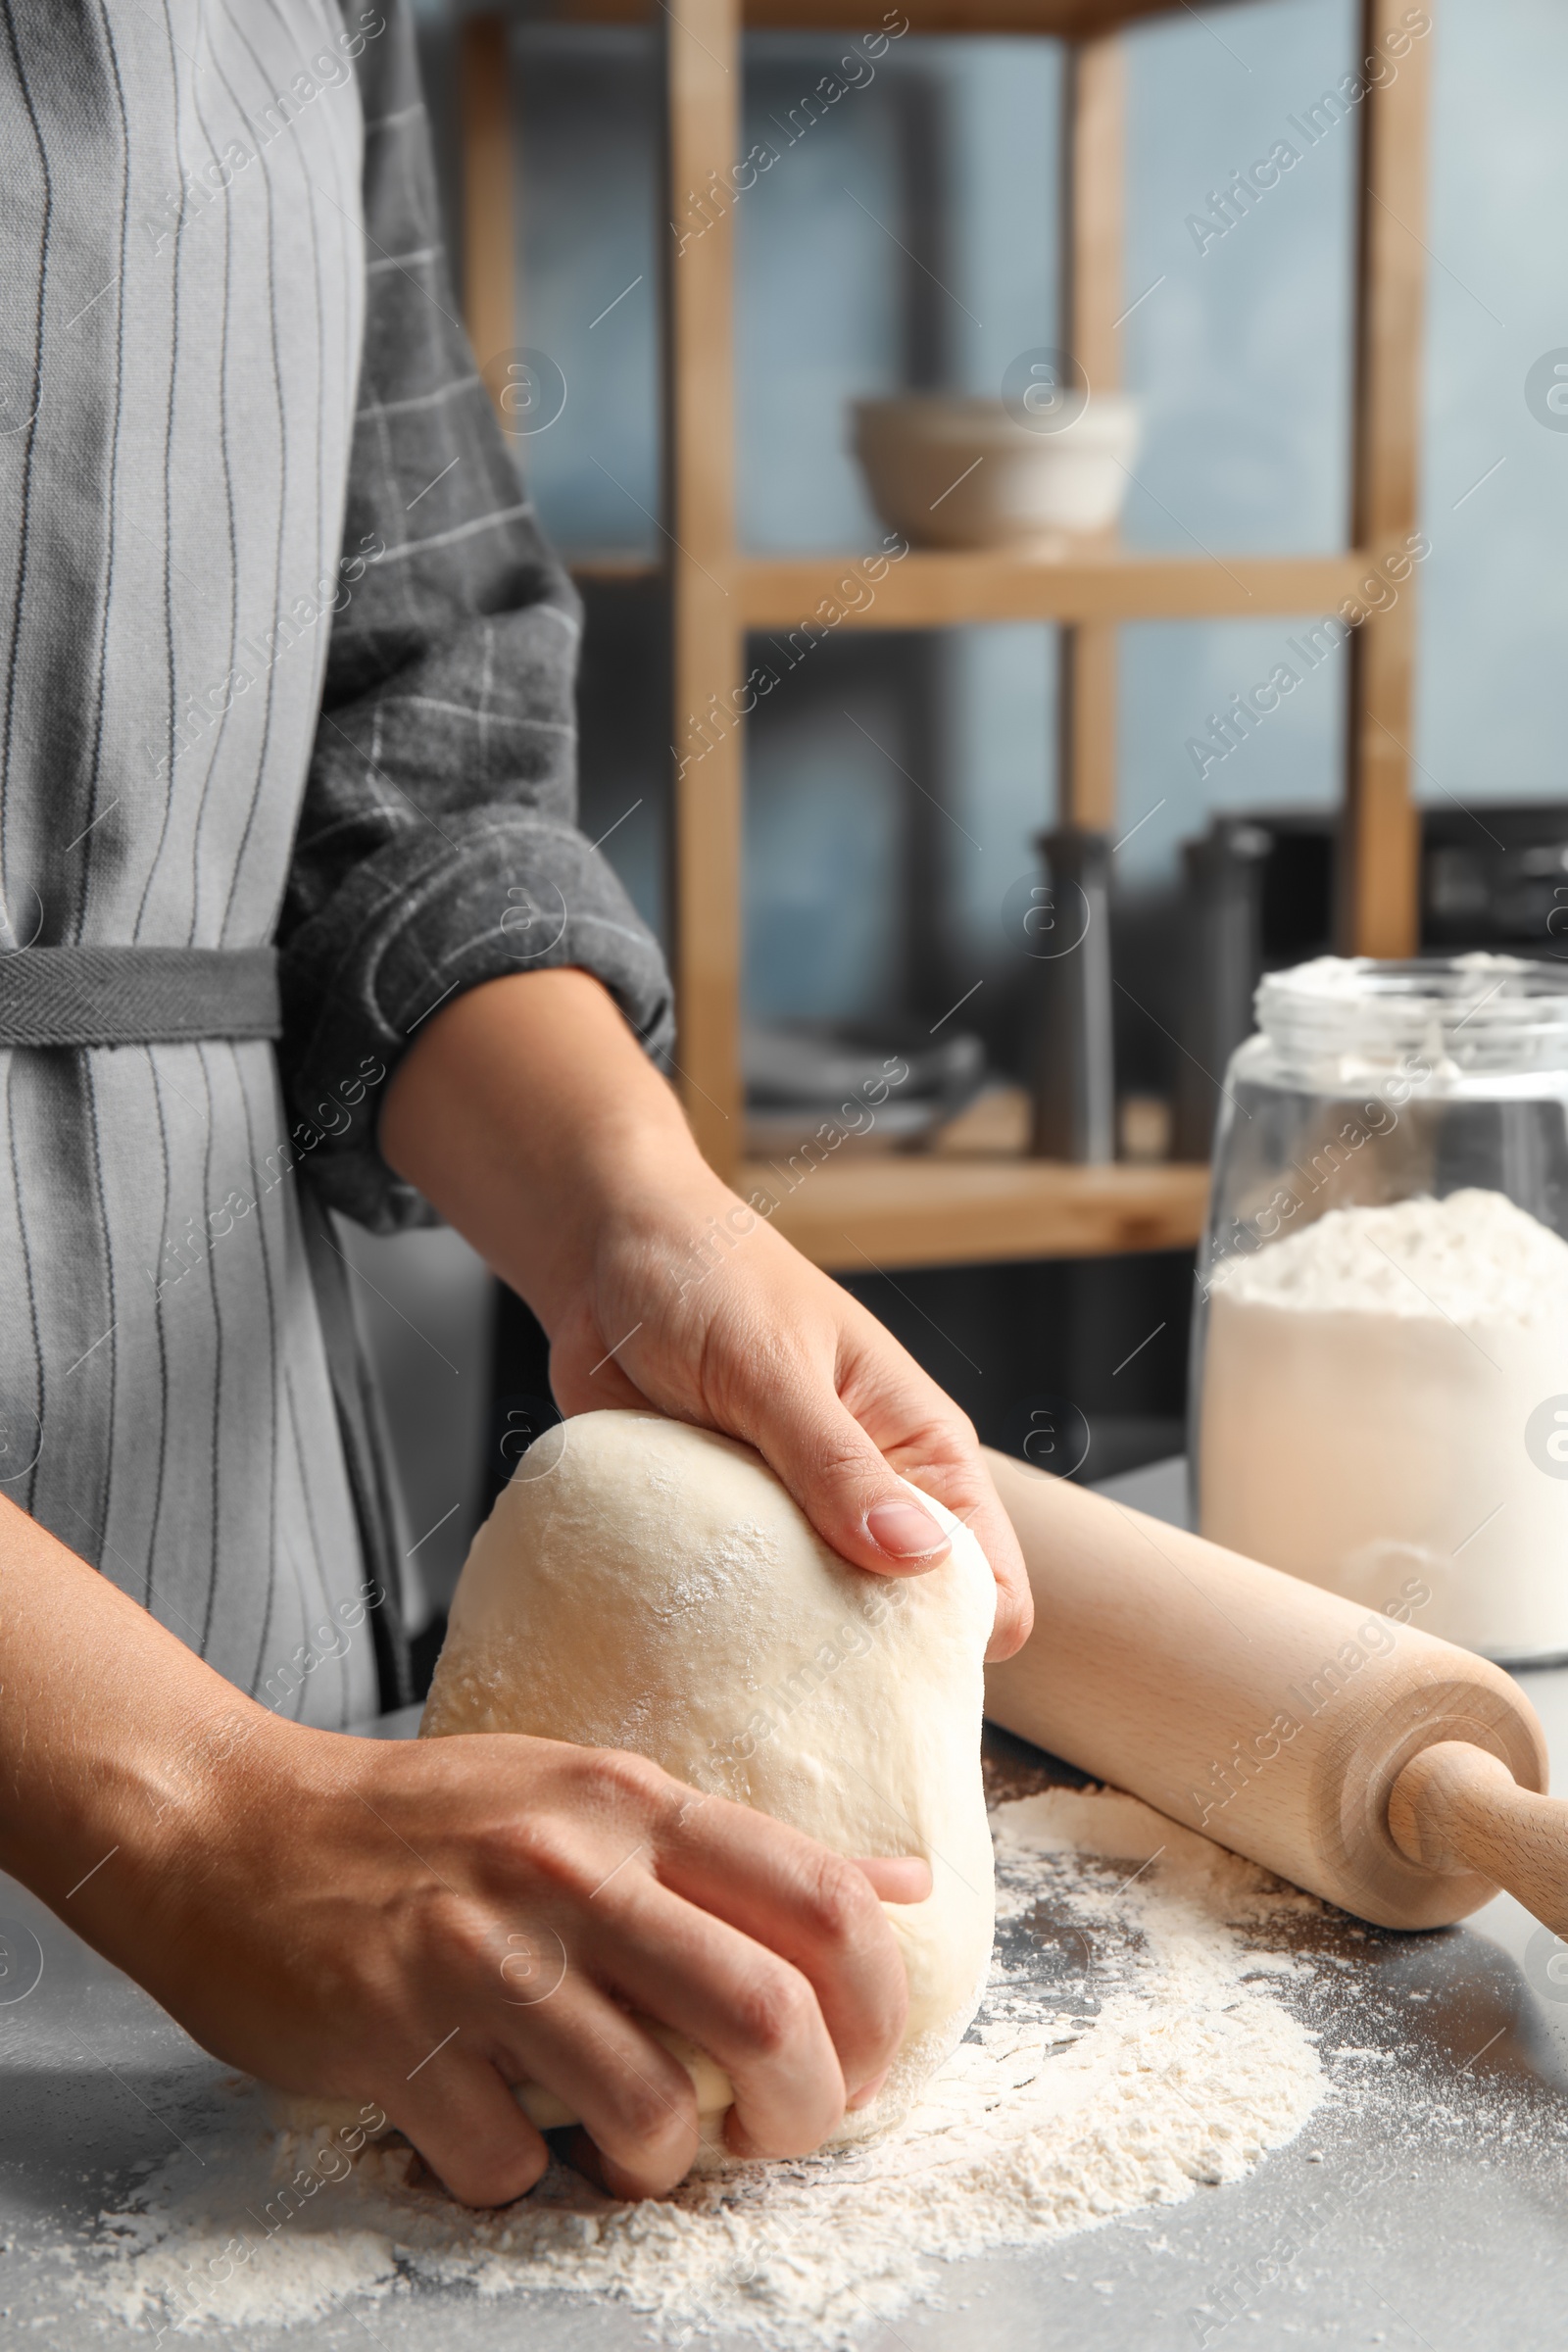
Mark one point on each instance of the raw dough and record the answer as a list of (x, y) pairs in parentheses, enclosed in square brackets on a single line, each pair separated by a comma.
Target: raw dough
[(649, 1586)]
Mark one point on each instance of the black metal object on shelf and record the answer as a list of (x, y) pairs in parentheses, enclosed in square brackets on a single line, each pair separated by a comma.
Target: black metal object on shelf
[(1222, 907), (1072, 1075), (1495, 877)]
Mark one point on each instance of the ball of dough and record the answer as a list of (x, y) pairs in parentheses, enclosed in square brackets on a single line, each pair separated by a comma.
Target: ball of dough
[(645, 1585)]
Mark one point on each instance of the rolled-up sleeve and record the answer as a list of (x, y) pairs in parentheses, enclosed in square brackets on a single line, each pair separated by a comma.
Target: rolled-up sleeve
[(436, 846)]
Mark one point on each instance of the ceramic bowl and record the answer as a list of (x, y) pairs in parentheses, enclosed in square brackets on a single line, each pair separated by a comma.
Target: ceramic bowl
[(964, 472)]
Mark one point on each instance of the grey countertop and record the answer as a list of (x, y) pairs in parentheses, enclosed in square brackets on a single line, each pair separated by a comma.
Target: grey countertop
[(1435, 2215)]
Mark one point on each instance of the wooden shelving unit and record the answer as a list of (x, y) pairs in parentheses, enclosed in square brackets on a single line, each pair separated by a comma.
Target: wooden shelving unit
[(908, 1209)]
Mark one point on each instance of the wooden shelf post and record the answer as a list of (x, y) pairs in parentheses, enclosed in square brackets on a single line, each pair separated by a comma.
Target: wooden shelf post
[(489, 257), (703, 50), (1380, 860), (1092, 139)]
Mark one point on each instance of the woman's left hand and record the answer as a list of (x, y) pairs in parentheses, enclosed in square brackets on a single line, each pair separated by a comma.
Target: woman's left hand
[(528, 1115), (696, 1306)]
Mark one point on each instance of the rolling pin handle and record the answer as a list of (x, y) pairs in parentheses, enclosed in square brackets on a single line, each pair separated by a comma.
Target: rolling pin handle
[(1455, 1807)]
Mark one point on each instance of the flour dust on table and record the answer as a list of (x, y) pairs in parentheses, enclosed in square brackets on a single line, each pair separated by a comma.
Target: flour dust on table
[(1138, 2042)]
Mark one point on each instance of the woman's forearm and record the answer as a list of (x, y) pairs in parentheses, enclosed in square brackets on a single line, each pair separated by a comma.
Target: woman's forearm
[(115, 1738), (526, 1112)]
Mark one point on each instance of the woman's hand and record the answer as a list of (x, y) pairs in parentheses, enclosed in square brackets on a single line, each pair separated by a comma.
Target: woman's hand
[(528, 1115), (420, 1923), (748, 1336)]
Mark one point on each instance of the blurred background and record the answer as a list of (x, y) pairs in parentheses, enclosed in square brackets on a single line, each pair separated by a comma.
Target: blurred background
[(909, 239)]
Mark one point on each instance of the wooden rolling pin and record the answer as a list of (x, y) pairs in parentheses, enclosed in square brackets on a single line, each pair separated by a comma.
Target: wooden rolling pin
[(1369, 1762)]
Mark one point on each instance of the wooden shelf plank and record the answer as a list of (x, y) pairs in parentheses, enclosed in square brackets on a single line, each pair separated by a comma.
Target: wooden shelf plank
[(936, 589), (1068, 20), (884, 1211), (782, 590), (613, 564)]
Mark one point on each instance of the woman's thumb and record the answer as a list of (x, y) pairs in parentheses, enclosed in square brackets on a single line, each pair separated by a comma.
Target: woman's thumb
[(854, 1501)]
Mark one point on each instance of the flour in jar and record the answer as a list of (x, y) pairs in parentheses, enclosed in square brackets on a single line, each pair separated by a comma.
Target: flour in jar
[(1378, 1416)]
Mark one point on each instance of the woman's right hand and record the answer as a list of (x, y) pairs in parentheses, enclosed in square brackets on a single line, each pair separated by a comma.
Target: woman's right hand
[(423, 1923)]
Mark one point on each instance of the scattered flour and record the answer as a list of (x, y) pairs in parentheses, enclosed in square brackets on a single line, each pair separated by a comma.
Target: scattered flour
[(1132, 2046), (1378, 1403)]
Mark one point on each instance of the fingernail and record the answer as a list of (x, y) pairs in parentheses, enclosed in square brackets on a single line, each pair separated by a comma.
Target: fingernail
[(903, 1531), (869, 2090)]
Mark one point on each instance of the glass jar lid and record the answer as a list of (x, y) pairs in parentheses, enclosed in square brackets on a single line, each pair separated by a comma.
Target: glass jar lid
[(1493, 1014)]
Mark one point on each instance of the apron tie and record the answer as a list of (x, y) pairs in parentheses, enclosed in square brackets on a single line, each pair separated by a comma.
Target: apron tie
[(131, 996)]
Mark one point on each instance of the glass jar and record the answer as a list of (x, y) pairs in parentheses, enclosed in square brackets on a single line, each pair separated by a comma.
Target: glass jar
[(1379, 1368)]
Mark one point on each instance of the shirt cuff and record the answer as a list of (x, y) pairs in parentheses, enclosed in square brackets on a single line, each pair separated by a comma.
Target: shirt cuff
[(484, 893)]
